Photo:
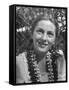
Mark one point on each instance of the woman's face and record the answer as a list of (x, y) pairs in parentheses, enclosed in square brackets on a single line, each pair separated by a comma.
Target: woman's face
[(44, 35)]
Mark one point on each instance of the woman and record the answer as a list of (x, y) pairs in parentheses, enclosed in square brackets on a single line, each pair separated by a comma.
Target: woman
[(42, 61)]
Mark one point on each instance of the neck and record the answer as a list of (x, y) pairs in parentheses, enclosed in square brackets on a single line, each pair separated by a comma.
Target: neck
[(40, 55)]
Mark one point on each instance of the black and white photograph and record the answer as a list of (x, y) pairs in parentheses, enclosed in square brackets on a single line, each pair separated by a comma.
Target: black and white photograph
[(34, 50), (40, 42)]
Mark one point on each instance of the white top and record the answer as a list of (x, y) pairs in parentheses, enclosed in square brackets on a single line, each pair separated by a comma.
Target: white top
[(22, 74)]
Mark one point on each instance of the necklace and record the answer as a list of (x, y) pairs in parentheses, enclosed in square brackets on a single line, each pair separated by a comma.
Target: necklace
[(33, 66), (51, 66)]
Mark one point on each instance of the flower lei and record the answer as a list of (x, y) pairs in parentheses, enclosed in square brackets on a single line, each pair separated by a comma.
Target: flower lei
[(51, 66), (51, 62), (33, 67)]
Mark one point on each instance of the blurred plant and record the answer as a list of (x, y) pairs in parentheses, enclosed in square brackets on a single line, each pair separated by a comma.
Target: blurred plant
[(24, 19)]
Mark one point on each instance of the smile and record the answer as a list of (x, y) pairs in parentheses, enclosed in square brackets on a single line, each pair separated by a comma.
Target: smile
[(42, 44)]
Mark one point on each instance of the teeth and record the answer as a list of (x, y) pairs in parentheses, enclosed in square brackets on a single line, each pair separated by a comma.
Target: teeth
[(46, 43), (43, 45)]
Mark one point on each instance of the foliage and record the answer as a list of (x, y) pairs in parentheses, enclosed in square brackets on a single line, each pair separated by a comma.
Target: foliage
[(24, 19)]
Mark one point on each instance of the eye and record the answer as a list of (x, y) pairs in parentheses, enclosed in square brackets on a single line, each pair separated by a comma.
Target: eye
[(40, 31), (50, 34)]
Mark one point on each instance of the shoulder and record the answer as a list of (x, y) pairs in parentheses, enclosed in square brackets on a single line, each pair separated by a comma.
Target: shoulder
[(61, 64), (22, 73), (21, 58), (61, 58), (19, 66)]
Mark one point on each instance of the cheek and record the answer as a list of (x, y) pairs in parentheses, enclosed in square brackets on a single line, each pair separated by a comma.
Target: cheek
[(51, 40), (36, 36)]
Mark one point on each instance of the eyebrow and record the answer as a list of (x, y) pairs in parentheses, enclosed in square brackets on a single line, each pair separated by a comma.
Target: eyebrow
[(50, 32), (40, 30)]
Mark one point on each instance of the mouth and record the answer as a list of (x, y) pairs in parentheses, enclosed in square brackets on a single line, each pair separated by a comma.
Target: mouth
[(42, 44)]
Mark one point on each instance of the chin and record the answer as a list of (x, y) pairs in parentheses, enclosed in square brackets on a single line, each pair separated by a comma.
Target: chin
[(43, 50)]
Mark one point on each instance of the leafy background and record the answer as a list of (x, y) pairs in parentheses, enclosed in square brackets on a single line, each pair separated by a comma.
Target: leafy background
[(24, 19)]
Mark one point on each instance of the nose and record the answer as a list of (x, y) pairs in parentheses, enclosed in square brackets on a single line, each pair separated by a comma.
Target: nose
[(45, 37)]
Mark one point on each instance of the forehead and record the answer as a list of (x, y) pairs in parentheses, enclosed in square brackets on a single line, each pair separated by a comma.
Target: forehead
[(45, 25)]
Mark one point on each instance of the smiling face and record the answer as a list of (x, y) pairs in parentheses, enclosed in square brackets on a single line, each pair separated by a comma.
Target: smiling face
[(44, 35)]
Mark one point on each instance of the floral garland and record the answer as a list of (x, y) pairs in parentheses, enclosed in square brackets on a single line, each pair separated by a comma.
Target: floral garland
[(51, 62), (24, 18), (51, 66), (33, 67)]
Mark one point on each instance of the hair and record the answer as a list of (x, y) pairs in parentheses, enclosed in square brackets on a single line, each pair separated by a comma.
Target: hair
[(45, 17)]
